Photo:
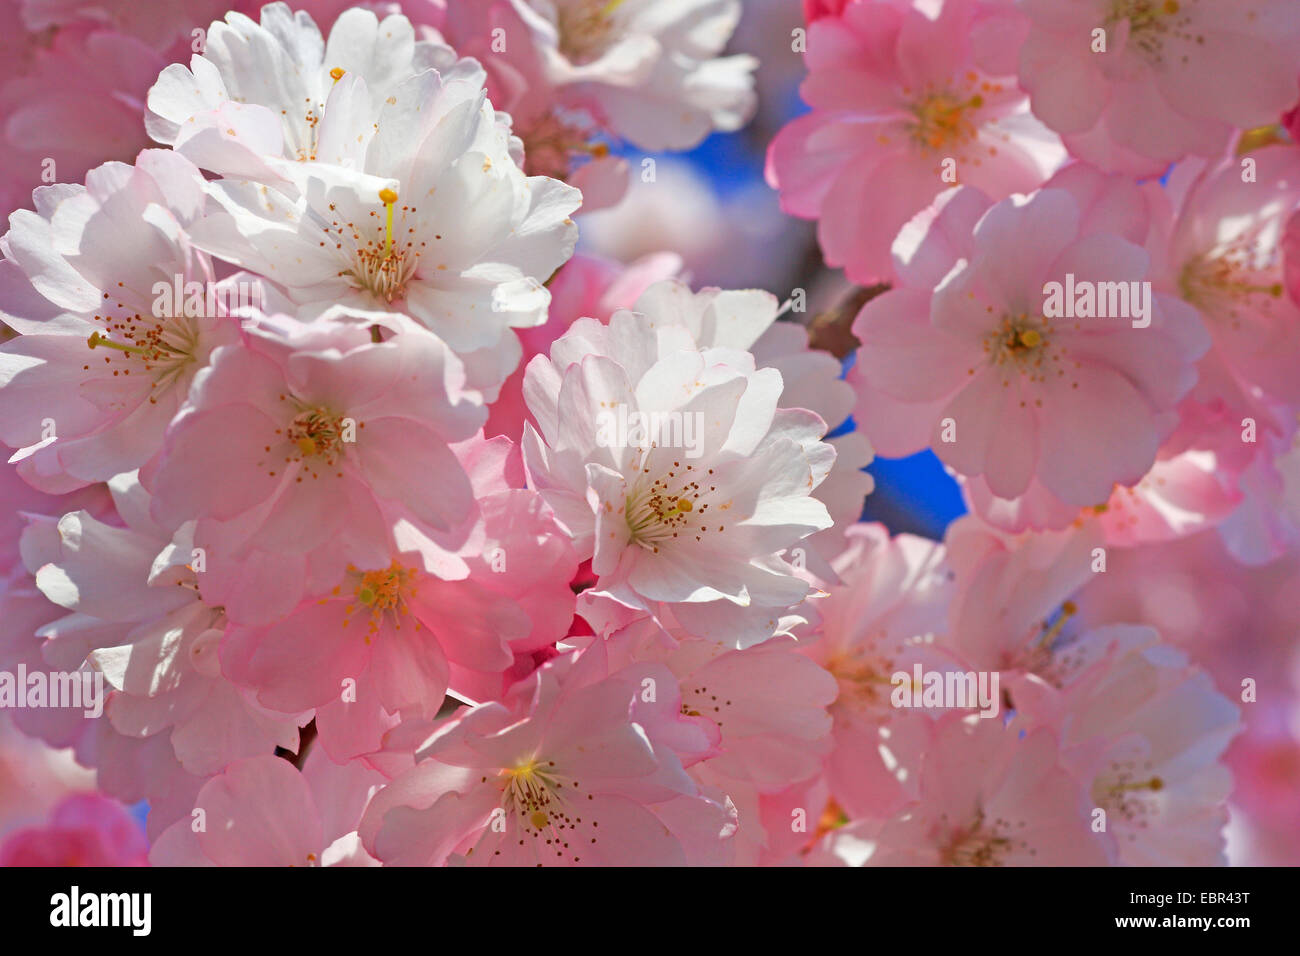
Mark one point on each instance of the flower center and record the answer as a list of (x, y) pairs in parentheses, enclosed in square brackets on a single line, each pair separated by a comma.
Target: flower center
[(699, 701), (376, 258), (162, 348), (318, 433), (553, 147), (1023, 344), (1151, 22), (382, 595), (1233, 284), (585, 28), (943, 119), (1143, 15), (1124, 792), (981, 844), (661, 510), (865, 681), (529, 793)]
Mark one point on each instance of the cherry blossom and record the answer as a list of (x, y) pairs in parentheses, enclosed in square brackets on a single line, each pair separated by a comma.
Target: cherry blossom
[(644, 508), (1134, 85)]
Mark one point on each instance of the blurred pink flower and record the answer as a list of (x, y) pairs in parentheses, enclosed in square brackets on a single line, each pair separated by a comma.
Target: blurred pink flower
[(84, 830)]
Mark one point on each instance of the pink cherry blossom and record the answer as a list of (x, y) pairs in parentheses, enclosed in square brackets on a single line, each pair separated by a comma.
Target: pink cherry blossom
[(1013, 591), (149, 631), (1134, 85), (1224, 256), (585, 287), (558, 140), (894, 599), (645, 510), (646, 70), (73, 107), (557, 773), (1145, 731), (767, 702), (961, 355), (40, 636), (107, 349), (414, 206), (1180, 495), (262, 811), (990, 795), (156, 27), (381, 529), (916, 99), (302, 445), (222, 114)]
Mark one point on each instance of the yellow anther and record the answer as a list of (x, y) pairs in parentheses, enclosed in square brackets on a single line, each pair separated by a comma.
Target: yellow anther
[(1030, 338), (337, 73)]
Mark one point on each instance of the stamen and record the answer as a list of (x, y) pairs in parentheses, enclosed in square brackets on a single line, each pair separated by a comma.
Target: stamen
[(1155, 785), (389, 198), (97, 339), (384, 594), (941, 119), (337, 73), (1068, 610)]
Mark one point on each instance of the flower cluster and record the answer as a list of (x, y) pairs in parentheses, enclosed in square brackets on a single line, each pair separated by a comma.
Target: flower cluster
[(353, 516)]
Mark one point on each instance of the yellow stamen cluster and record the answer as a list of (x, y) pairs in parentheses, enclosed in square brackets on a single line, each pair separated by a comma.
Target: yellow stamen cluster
[(1233, 284), (382, 595), (1152, 24), (660, 509), (546, 808), (983, 843), (317, 433), (162, 348), (943, 120), (1023, 344), (384, 264)]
